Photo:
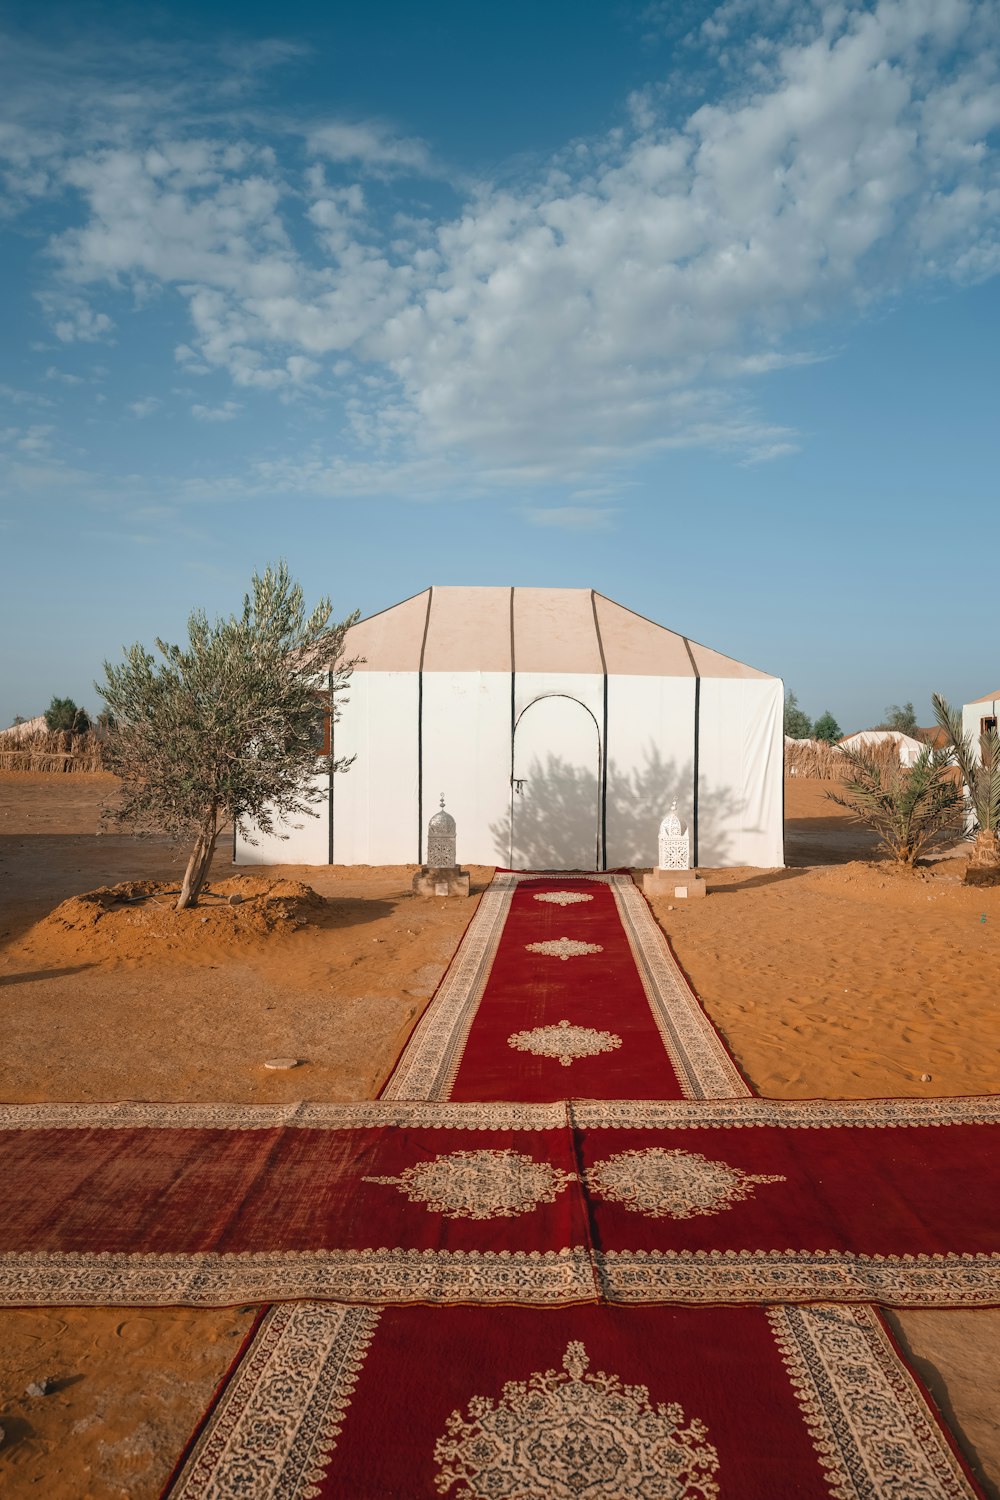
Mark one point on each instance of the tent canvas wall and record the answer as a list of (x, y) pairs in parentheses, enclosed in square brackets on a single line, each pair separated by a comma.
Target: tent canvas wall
[(558, 725), (976, 716)]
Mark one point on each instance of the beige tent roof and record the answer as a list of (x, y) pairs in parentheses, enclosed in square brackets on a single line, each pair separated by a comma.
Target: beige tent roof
[(528, 630)]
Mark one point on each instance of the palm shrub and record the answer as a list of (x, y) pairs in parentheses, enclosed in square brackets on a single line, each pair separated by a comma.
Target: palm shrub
[(982, 782), (913, 809)]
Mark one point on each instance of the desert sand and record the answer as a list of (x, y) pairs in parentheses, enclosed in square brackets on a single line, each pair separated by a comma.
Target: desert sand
[(836, 977)]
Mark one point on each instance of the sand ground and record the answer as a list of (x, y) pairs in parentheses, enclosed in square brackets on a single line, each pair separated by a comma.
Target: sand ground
[(835, 977)]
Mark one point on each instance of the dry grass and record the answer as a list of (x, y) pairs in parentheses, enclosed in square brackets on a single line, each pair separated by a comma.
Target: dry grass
[(54, 750), (818, 761)]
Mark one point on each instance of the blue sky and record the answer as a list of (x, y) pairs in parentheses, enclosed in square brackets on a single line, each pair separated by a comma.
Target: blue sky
[(696, 305)]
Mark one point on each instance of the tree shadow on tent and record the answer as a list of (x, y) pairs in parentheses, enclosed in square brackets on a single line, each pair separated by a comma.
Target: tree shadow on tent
[(556, 819), (639, 799), (556, 822)]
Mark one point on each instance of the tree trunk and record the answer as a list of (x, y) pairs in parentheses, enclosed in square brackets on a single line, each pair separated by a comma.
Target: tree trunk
[(197, 866), (986, 850)]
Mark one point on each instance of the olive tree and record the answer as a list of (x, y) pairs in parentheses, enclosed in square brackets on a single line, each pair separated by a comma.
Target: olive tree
[(230, 726)]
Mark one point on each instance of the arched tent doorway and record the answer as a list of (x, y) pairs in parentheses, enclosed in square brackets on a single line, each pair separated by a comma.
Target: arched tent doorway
[(556, 787)]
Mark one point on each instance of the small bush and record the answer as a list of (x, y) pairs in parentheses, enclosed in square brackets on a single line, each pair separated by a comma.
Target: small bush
[(913, 809)]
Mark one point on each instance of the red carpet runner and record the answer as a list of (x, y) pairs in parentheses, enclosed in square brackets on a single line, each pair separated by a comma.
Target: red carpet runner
[(728, 1200), (522, 1293), (587, 1404), (564, 985)]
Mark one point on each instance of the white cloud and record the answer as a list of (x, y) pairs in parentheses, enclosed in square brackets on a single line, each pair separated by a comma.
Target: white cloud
[(81, 324), (372, 145), (19, 397), (35, 439), (145, 406), (63, 376), (224, 413), (615, 304)]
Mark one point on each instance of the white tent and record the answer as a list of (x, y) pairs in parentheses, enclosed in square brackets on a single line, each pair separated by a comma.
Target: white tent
[(909, 748), (980, 714), (559, 727)]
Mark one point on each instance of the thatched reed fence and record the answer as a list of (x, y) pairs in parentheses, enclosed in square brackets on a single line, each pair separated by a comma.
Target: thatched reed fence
[(52, 750), (820, 761)]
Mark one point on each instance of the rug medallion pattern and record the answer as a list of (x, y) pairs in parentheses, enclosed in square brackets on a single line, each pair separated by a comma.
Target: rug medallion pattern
[(562, 898), (564, 948), (564, 1041), (568, 1434), (480, 1184), (672, 1183)]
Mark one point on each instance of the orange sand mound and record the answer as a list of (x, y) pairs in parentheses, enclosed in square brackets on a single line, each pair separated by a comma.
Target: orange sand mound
[(137, 920), (834, 977)]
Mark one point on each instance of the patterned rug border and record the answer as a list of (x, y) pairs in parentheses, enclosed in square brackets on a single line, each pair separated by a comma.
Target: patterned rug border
[(846, 1373), (589, 1114), (699, 1056), (280, 1416), (429, 1063), (524, 1278), (520, 1278), (403, 1114), (741, 1276), (282, 1408)]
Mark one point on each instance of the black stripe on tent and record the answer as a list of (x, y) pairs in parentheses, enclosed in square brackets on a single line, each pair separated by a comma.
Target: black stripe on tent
[(603, 851), (697, 748), (420, 733)]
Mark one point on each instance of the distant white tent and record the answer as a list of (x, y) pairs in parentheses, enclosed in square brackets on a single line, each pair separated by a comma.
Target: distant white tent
[(18, 732), (558, 725), (909, 748), (980, 714)]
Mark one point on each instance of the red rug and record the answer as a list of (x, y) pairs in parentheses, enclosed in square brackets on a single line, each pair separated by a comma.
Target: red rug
[(737, 1201), (583, 1404), (564, 986)]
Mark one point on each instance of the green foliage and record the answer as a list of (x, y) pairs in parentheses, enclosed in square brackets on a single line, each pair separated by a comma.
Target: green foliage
[(912, 809), (224, 728), (62, 713), (827, 728), (901, 717), (981, 773), (798, 725)]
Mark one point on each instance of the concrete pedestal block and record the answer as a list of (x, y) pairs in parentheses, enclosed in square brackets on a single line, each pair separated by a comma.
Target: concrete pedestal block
[(678, 885), (451, 880)]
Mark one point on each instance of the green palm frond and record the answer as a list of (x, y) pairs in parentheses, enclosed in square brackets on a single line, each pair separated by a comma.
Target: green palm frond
[(912, 809)]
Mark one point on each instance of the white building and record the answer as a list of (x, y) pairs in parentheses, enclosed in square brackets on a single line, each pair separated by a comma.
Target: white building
[(558, 725)]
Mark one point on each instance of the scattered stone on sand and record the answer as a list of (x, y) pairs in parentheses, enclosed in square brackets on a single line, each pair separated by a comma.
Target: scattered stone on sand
[(236, 899), (925, 1078), (281, 1064), (43, 1387)]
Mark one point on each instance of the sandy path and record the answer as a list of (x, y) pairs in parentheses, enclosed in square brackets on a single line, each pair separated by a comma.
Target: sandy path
[(830, 978)]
